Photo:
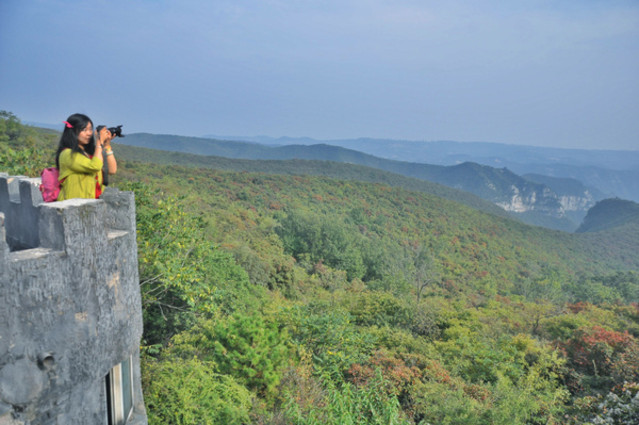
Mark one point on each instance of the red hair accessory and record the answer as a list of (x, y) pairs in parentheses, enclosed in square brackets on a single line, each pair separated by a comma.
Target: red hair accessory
[(67, 124)]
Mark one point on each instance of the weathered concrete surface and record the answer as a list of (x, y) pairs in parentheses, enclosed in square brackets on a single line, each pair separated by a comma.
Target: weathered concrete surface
[(18, 197), (70, 307)]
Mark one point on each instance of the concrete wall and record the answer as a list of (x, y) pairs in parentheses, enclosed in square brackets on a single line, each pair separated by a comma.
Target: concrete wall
[(70, 307), (17, 200)]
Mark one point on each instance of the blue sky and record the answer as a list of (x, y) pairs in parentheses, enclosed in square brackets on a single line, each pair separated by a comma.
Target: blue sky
[(544, 73)]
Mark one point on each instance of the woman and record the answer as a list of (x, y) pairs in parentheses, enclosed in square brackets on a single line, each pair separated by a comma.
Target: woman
[(80, 159)]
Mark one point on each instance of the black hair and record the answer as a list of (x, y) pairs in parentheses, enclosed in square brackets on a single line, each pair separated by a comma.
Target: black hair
[(69, 138)]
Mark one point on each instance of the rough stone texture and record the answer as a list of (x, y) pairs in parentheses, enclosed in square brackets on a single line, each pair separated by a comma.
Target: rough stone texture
[(18, 197), (70, 307)]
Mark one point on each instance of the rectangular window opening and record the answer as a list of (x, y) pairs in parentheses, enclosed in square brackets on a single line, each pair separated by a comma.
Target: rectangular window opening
[(119, 393)]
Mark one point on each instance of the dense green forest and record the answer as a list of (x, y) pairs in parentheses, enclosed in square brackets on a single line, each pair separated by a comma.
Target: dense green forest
[(290, 299), (311, 167)]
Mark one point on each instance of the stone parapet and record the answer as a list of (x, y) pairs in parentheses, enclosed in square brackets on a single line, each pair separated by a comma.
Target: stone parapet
[(70, 306)]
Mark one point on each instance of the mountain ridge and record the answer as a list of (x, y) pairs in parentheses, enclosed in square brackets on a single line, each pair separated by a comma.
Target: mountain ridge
[(610, 214), (612, 172), (449, 152), (504, 188), (325, 168)]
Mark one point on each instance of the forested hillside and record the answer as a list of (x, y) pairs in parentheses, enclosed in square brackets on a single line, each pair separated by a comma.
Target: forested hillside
[(610, 214), (291, 299), (614, 173), (531, 202), (311, 167)]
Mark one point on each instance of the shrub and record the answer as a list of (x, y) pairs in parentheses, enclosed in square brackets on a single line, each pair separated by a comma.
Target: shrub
[(188, 392), (347, 404), (247, 347)]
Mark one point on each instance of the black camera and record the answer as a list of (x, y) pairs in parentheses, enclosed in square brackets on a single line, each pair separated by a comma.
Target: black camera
[(116, 131)]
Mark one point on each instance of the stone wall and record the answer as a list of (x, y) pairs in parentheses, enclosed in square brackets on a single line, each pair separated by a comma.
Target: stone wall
[(70, 307)]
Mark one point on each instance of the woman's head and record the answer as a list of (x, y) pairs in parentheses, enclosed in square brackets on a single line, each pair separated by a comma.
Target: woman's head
[(77, 136)]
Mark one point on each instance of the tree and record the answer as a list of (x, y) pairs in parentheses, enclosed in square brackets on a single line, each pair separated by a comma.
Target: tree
[(246, 346), (426, 270)]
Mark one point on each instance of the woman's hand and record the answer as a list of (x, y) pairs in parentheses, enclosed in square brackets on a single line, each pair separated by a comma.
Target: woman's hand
[(104, 137)]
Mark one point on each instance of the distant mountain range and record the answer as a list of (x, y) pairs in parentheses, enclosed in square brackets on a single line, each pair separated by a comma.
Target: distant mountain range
[(451, 153), (536, 198), (303, 167), (613, 173)]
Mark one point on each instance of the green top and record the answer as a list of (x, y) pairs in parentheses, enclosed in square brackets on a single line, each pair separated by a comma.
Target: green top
[(79, 175)]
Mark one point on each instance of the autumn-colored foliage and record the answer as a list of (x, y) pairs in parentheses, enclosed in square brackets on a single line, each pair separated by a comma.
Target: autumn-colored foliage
[(602, 358)]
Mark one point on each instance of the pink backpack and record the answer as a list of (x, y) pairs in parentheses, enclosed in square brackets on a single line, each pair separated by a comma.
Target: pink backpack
[(50, 186)]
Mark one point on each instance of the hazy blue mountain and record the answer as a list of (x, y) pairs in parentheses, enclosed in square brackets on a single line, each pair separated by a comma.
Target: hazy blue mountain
[(533, 202), (451, 152), (614, 173), (612, 183)]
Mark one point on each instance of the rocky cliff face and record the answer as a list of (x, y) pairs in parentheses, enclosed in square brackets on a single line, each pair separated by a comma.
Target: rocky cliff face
[(524, 199), (545, 201), (577, 203)]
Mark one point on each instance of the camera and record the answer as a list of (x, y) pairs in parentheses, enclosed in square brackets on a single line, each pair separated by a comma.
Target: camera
[(116, 131)]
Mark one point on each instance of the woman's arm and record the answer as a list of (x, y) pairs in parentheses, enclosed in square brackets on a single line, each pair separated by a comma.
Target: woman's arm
[(112, 164)]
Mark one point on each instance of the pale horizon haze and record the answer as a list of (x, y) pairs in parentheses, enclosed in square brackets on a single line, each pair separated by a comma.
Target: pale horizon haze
[(542, 73)]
